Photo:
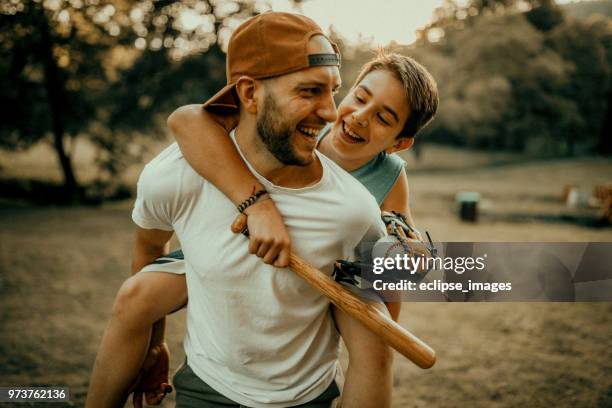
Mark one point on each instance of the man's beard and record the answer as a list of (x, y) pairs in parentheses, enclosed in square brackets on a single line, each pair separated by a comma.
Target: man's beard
[(276, 135)]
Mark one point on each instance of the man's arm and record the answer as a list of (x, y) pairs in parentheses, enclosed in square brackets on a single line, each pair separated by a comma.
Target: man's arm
[(149, 245), (127, 338)]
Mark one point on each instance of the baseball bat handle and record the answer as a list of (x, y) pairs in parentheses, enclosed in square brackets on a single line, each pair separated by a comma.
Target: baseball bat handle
[(388, 330)]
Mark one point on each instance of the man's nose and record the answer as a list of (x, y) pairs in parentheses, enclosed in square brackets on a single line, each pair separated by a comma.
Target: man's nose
[(327, 109)]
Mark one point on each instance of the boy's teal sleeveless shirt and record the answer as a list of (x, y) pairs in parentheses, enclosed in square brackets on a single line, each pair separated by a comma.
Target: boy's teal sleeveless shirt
[(379, 174)]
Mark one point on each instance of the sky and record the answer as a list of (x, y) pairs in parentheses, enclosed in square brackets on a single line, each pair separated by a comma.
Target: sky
[(381, 20), (384, 20)]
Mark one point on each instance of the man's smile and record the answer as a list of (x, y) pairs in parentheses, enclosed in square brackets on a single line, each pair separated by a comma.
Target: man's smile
[(309, 131)]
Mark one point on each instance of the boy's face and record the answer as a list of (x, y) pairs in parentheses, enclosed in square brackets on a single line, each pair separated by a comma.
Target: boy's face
[(371, 117)]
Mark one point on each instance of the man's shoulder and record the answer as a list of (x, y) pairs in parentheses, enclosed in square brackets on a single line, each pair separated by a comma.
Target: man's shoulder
[(356, 213), (171, 158), (348, 184), (358, 206), (168, 174)]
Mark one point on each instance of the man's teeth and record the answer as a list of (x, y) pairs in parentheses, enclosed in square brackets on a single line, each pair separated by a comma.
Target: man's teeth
[(309, 131), (352, 134)]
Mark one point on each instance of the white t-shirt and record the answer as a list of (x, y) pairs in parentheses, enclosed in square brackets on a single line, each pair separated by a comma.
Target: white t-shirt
[(259, 335)]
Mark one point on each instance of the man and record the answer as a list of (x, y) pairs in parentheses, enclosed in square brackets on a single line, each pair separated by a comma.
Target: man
[(258, 335)]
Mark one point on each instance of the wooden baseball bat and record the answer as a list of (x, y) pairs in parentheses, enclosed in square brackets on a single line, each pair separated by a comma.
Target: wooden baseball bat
[(389, 331)]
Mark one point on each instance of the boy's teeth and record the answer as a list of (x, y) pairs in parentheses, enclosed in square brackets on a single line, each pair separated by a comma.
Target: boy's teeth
[(351, 133), (309, 131)]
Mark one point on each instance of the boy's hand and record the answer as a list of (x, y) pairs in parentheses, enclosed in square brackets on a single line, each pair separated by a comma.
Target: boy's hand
[(153, 378), (268, 236)]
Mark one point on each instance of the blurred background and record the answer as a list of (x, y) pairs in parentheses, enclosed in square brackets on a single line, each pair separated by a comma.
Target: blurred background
[(519, 151)]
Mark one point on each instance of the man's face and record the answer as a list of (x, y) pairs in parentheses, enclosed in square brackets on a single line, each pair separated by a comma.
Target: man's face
[(296, 107), (276, 134)]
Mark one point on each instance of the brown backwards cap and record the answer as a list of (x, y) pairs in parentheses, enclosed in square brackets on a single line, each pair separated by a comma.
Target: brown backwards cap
[(265, 46)]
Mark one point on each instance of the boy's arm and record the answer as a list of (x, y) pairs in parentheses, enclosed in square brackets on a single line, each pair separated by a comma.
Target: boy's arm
[(204, 142), (203, 139), (398, 200)]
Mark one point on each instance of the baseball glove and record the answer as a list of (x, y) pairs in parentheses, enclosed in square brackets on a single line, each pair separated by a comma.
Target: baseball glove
[(402, 239)]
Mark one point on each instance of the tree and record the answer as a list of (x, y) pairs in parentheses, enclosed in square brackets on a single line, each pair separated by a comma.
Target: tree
[(38, 80), (587, 44), (524, 80), (99, 68), (545, 16)]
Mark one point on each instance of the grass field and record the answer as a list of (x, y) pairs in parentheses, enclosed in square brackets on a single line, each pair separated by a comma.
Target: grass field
[(60, 269)]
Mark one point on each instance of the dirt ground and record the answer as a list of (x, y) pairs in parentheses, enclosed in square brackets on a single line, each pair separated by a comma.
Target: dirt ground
[(60, 269)]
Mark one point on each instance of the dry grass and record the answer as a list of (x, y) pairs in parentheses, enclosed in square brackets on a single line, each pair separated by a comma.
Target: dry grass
[(60, 268)]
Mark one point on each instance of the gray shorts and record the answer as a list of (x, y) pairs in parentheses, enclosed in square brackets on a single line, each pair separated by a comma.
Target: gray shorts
[(192, 392), (174, 262)]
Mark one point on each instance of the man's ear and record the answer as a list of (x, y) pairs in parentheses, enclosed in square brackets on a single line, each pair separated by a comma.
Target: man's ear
[(245, 88), (400, 144)]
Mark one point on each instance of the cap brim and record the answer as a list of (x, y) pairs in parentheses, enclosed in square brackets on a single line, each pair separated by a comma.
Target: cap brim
[(222, 101)]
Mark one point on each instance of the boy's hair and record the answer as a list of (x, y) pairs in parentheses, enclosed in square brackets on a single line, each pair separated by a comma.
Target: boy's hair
[(420, 86)]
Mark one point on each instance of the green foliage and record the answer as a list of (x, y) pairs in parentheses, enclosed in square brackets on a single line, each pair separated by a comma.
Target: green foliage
[(532, 81), (107, 70), (587, 44), (545, 16), (585, 9), (512, 74), (548, 102), (35, 62)]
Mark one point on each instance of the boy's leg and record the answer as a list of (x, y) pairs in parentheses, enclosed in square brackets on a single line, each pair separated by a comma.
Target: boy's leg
[(369, 377), (142, 300)]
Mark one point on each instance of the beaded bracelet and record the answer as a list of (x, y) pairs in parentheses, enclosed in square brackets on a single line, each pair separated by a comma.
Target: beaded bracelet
[(251, 200)]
